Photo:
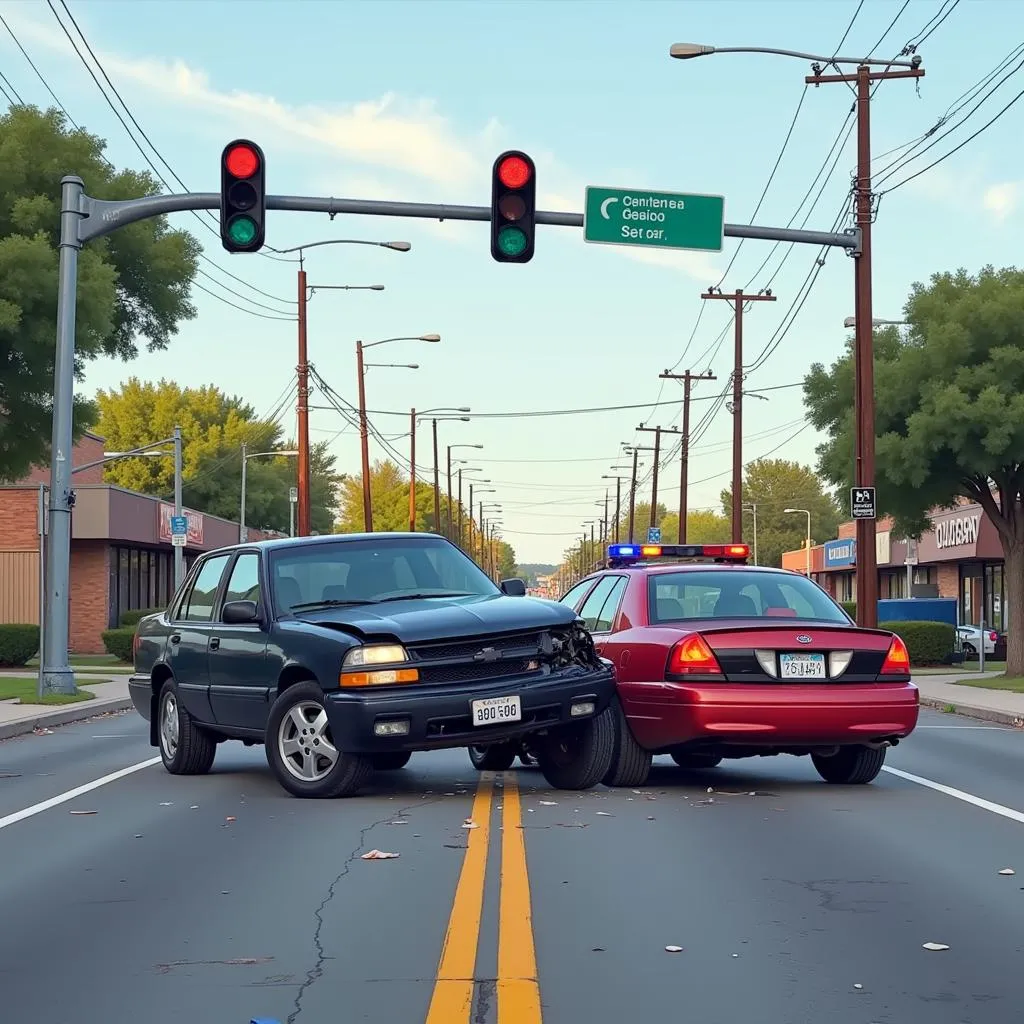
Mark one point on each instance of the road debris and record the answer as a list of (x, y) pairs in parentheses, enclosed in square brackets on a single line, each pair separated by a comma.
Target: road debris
[(378, 855), (470, 823), (935, 946), (1007, 871), (549, 803), (673, 949), (83, 812), (605, 814), (857, 985)]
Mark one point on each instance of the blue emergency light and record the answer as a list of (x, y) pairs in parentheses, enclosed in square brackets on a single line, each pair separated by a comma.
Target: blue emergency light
[(627, 554)]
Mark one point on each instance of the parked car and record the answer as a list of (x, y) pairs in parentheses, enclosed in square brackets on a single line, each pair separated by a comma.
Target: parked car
[(972, 637), (344, 654), (719, 659)]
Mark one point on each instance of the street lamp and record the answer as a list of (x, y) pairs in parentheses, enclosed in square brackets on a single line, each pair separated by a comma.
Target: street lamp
[(864, 357), (466, 469), (798, 511), (364, 439), (479, 490), (246, 456), (851, 321), (449, 461), (414, 419)]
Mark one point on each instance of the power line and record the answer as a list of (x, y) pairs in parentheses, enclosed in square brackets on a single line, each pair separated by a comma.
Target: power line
[(921, 36), (9, 90)]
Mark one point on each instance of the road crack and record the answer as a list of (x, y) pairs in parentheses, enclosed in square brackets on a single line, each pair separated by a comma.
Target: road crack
[(316, 971)]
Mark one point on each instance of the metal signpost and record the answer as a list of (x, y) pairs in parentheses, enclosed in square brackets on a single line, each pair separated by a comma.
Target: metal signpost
[(660, 220), (83, 219), (293, 497)]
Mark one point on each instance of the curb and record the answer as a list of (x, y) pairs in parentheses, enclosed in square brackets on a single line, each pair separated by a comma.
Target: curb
[(970, 711), (80, 712)]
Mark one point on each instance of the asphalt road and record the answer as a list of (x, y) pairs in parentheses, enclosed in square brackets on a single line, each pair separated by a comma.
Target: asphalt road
[(219, 899)]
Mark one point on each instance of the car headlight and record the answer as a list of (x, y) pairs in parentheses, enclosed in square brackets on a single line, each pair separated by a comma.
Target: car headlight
[(357, 670)]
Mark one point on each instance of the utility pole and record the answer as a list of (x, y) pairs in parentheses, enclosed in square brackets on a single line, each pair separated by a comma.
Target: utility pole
[(448, 516), (302, 412), (412, 470), (179, 552), (618, 504), (658, 431), (241, 503), (437, 482), (864, 343), (684, 447), (632, 489), (364, 441), (738, 299)]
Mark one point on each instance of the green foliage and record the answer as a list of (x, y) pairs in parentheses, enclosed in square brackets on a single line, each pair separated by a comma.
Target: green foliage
[(118, 642), (928, 643), (18, 643), (133, 284), (774, 485), (132, 618), (949, 415), (850, 607), (214, 427), (531, 570)]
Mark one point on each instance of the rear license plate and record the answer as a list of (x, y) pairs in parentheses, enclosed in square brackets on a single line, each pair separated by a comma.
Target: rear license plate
[(495, 710), (802, 666)]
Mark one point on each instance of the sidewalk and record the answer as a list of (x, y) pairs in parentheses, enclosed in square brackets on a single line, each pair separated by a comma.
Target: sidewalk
[(943, 693), (111, 695)]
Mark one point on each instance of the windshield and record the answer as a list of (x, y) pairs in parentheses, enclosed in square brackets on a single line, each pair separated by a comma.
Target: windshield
[(734, 594), (366, 571)]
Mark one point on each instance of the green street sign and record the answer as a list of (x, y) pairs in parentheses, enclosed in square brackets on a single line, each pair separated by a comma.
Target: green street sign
[(659, 220)]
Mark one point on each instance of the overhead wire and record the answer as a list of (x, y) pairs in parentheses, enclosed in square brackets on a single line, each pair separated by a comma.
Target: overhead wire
[(9, 91)]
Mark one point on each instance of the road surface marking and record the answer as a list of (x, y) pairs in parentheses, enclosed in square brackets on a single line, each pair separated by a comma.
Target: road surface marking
[(518, 988), (958, 794), (452, 1000), (63, 798)]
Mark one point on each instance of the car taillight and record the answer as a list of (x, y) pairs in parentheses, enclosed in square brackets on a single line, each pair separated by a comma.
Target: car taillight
[(691, 656), (993, 637), (136, 641), (897, 661)]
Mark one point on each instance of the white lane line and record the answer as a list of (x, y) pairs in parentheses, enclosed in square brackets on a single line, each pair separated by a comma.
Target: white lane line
[(63, 798), (957, 794)]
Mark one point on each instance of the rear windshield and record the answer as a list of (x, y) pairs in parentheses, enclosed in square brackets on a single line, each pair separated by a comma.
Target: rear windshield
[(735, 594)]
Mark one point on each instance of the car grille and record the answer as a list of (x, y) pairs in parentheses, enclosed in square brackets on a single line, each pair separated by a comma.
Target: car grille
[(489, 657)]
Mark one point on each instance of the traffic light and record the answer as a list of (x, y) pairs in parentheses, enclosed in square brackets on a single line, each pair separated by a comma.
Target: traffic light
[(242, 197), (513, 207)]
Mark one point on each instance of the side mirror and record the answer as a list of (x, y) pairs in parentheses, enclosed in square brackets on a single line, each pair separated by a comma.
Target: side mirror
[(514, 587), (238, 613)]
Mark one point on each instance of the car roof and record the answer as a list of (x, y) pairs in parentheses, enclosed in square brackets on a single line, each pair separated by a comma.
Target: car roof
[(278, 543), (664, 567)]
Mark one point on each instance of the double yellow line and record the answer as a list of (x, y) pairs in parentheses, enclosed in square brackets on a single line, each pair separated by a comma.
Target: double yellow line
[(518, 990)]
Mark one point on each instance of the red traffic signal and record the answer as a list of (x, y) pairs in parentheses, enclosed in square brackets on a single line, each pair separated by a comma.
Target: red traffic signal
[(242, 197), (513, 207)]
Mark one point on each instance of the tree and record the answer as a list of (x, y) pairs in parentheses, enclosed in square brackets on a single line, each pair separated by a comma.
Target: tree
[(949, 415), (774, 485), (702, 526), (132, 285), (389, 496), (214, 427)]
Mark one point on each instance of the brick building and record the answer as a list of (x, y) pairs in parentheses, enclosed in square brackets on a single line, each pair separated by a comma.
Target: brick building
[(121, 553), (960, 556)]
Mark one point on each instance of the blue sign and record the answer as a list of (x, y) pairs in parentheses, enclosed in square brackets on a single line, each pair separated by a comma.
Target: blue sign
[(840, 553), (653, 534), (179, 526)]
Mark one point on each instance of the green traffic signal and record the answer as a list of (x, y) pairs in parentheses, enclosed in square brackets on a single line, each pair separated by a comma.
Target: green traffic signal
[(511, 241), (242, 230)]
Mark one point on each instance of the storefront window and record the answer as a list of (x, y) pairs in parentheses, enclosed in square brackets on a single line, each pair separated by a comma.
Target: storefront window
[(995, 598), (140, 579)]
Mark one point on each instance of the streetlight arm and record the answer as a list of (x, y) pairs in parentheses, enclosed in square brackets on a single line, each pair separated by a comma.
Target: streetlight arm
[(397, 246), (687, 51)]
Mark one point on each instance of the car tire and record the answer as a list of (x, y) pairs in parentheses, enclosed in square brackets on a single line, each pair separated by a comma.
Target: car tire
[(970, 651), (696, 762), (390, 762), (305, 771), (496, 758), (578, 756), (631, 764), (185, 748), (852, 766)]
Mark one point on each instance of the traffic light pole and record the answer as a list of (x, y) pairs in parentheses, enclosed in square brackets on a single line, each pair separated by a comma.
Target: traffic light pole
[(83, 218), (302, 413)]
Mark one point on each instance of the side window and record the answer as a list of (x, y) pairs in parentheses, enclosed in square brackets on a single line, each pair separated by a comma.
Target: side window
[(752, 591), (198, 603), (244, 584), (593, 604), (575, 593), (797, 601), (606, 616)]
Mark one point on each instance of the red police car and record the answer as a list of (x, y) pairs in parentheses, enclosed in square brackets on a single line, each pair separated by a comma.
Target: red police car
[(716, 659)]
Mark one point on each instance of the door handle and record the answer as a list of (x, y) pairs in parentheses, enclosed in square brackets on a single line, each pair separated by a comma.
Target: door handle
[(214, 642), (175, 638)]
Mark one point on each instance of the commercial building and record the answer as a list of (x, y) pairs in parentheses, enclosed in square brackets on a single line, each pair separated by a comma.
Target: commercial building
[(121, 553), (960, 556)]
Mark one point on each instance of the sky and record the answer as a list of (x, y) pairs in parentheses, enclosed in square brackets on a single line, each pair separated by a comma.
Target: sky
[(413, 101)]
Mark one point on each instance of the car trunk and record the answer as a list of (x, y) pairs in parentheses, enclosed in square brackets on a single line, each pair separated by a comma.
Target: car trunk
[(804, 654)]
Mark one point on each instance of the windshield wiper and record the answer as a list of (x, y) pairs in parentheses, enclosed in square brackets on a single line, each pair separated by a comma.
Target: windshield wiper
[(329, 603), (420, 597)]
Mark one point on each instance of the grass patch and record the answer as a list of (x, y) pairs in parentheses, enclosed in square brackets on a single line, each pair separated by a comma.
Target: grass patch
[(23, 690), (1013, 684), (952, 670), (89, 661)]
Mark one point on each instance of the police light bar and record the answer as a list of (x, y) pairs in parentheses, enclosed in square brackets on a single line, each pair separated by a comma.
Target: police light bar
[(624, 554)]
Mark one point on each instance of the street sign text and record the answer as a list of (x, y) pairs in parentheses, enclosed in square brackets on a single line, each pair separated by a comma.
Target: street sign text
[(862, 502), (662, 220)]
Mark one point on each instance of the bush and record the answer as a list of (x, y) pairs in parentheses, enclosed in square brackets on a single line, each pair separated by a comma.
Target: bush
[(850, 607), (18, 642), (928, 643), (132, 618), (119, 642)]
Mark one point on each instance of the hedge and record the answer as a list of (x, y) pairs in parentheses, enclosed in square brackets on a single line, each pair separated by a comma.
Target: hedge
[(119, 642), (132, 618), (18, 642), (850, 607), (928, 643)]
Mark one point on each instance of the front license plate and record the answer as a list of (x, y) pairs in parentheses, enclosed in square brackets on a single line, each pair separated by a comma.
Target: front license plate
[(802, 666), (495, 710)]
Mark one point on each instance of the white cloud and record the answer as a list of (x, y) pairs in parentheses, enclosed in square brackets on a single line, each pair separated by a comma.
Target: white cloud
[(1003, 199)]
